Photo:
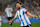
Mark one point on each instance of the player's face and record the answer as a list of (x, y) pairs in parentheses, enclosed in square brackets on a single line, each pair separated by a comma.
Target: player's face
[(8, 5), (17, 5)]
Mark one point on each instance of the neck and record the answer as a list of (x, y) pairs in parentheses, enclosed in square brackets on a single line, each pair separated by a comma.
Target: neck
[(20, 6)]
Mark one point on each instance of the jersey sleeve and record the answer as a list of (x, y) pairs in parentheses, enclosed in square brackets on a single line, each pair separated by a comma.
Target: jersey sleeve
[(25, 10)]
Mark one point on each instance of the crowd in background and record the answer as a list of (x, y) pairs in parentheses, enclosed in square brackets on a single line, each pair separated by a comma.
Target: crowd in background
[(33, 6)]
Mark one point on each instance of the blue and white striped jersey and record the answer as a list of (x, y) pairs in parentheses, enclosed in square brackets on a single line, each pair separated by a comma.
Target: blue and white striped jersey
[(8, 13), (23, 17)]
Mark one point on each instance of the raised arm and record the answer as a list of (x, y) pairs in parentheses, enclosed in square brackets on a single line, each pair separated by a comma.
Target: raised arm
[(31, 14), (26, 11)]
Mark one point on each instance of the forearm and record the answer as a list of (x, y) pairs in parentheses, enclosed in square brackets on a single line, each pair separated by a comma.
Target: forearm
[(30, 14), (15, 15), (13, 19)]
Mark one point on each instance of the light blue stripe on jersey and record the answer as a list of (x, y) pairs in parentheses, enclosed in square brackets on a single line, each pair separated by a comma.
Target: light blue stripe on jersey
[(17, 13), (8, 13), (21, 18), (24, 16)]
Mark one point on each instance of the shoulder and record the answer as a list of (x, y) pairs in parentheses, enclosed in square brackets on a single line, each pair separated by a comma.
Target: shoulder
[(6, 8), (23, 9), (18, 11)]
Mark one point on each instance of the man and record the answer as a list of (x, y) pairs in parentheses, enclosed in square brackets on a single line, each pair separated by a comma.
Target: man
[(22, 14), (9, 14)]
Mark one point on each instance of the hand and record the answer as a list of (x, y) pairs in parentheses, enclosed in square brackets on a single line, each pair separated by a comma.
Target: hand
[(36, 17), (10, 21)]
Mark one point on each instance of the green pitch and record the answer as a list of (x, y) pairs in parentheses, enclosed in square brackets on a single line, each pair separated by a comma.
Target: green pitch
[(18, 25)]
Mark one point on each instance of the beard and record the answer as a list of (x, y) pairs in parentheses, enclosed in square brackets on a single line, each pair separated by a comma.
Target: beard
[(18, 8)]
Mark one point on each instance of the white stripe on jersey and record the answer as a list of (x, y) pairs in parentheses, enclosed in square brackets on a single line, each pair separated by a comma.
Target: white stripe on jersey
[(23, 17), (8, 13), (27, 18)]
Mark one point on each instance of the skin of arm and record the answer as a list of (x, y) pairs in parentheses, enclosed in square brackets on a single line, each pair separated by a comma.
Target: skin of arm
[(27, 12), (12, 19), (31, 14), (15, 15)]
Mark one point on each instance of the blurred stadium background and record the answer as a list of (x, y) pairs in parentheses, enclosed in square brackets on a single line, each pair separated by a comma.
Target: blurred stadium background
[(33, 6)]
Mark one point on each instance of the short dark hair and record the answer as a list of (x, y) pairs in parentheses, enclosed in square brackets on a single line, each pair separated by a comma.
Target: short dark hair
[(8, 4), (19, 3)]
